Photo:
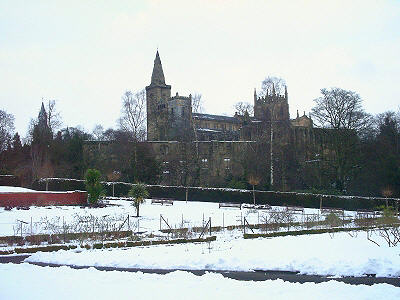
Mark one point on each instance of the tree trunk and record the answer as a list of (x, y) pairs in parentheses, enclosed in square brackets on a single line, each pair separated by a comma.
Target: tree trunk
[(137, 210)]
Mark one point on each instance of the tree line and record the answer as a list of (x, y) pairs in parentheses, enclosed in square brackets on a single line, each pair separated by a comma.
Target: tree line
[(362, 158)]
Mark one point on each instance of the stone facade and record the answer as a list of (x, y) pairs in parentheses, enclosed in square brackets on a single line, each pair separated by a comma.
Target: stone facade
[(197, 149), (220, 147)]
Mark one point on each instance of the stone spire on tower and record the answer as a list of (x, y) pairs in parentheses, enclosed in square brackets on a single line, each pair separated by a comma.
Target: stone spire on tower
[(157, 77), (42, 117)]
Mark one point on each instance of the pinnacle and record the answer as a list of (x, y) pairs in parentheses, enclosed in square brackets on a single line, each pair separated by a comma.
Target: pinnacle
[(157, 77)]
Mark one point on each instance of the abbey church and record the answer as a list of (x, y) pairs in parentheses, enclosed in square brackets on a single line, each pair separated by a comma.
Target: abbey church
[(195, 149), (268, 145)]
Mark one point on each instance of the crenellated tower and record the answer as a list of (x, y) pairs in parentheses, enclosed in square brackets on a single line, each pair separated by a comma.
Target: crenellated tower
[(272, 107)]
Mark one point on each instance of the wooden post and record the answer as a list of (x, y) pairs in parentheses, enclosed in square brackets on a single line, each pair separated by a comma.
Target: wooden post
[(210, 225), (160, 222)]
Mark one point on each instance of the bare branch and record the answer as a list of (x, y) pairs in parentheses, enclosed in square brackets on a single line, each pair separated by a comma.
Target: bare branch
[(133, 114)]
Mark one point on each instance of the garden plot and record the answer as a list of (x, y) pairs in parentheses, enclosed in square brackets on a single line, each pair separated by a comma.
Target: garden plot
[(56, 220)]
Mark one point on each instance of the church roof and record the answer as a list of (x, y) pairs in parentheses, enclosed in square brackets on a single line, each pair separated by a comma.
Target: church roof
[(215, 118)]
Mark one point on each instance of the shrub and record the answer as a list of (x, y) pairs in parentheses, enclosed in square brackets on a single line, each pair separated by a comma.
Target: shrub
[(93, 185)]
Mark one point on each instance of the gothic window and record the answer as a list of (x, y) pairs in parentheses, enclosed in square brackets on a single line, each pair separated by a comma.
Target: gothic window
[(227, 162), (204, 163)]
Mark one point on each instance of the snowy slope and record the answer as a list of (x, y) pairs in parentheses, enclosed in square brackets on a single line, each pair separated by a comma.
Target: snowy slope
[(66, 283), (340, 255)]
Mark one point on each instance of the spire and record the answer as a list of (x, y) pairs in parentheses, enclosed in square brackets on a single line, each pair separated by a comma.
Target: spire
[(157, 77), (255, 94), (273, 89), (297, 114), (286, 93), (42, 116)]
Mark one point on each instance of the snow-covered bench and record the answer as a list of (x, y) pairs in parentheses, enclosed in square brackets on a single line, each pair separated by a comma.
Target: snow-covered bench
[(162, 201), (365, 213), (230, 204), (257, 206), (328, 210), (295, 209)]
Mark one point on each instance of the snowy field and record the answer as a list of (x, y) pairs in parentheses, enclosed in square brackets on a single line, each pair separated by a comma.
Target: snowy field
[(26, 281)]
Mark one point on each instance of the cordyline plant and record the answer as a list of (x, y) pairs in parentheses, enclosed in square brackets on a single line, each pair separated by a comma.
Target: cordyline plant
[(139, 193)]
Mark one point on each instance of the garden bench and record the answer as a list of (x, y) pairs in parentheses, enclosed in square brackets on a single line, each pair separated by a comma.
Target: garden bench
[(162, 201), (259, 206), (328, 210), (365, 213), (295, 209), (230, 204)]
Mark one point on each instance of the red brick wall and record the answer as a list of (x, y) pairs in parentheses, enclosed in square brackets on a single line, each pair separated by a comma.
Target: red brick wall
[(43, 198)]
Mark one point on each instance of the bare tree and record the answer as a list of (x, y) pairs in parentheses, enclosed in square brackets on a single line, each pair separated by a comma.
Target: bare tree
[(271, 83), (340, 109), (98, 132), (242, 107), (53, 116), (197, 103), (6, 129), (133, 114)]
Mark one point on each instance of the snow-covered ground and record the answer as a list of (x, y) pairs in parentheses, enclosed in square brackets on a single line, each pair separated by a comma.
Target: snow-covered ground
[(190, 214), (322, 254), (14, 189), (26, 281), (340, 254)]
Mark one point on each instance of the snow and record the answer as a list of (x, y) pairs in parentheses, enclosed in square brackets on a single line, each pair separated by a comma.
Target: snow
[(322, 254), (14, 189), (66, 283)]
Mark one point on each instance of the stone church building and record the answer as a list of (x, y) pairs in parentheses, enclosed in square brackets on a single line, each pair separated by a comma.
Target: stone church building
[(196, 149), (208, 150)]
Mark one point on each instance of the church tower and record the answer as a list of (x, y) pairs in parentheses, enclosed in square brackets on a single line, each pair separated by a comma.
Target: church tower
[(157, 95)]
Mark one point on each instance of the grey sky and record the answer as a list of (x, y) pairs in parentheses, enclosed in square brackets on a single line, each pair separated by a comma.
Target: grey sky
[(85, 54)]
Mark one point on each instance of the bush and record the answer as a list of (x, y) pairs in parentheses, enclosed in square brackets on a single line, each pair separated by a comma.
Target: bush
[(93, 185)]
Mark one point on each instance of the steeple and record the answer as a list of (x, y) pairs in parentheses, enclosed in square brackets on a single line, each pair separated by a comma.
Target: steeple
[(42, 117), (157, 77)]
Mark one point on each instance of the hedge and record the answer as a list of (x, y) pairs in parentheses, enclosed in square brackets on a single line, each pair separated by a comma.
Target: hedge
[(220, 195)]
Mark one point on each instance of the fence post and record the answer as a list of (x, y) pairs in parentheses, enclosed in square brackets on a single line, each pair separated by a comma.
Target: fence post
[(129, 227), (31, 227), (160, 222), (210, 225), (223, 221), (64, 229), (244, 225)]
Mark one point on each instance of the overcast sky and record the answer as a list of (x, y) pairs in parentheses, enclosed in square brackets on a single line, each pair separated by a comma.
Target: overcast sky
[(85, 54)]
